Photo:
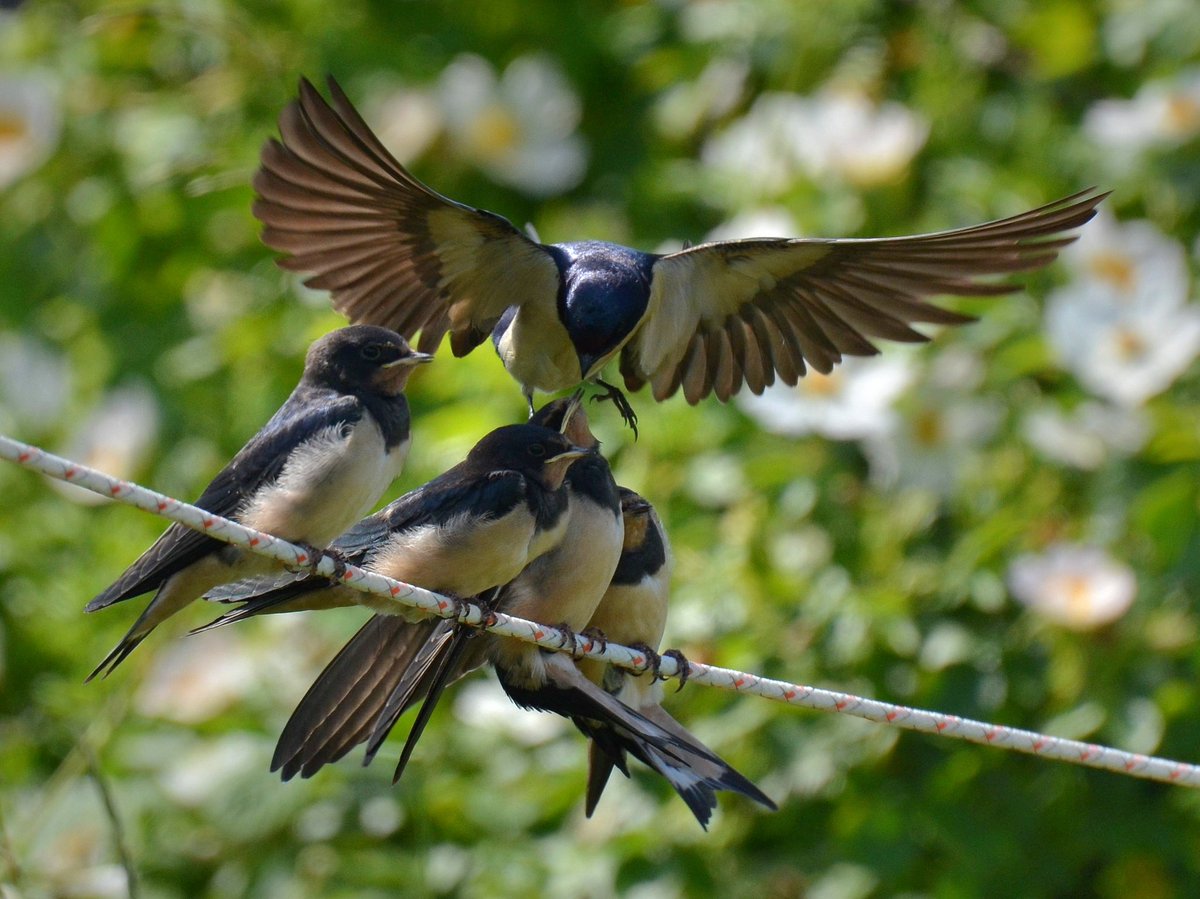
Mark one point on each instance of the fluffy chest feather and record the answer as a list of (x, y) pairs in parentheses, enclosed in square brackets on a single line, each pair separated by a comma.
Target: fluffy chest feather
[(329, 482), (465, 555)]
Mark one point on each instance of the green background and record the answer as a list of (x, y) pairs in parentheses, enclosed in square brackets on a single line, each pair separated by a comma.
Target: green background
[(901, 596)]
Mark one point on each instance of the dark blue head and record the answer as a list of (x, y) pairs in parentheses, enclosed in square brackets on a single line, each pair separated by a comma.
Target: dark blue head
[(603, 294)]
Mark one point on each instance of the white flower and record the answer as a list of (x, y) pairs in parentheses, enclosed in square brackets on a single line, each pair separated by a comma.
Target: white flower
[(852, 402), (834, 133), (30, 123), (410, 121), (683, 108), (864, 142), (1088, 435), (1138, 262), (1122, 350), (758, 150), (34, 384), (1080, 587), (519, 128), (1164, 112), (115, 438)]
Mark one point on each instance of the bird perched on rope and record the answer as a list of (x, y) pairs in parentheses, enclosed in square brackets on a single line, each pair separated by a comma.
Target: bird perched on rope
[(633, 612), (324, 458), (392, 662), (711, 318), (469, 530)]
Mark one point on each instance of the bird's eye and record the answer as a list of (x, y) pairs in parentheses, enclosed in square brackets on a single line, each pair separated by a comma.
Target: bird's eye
[(371, 352), (537, 450)]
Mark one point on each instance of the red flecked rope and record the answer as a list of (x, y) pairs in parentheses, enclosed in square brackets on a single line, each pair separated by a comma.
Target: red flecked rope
[(388, 596)]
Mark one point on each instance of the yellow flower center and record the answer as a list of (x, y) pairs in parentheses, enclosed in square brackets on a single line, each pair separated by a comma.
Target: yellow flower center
[(928, 429), (1118, 270), (494, 132), (1129, 344), (1183, 115), (1077, 591), (821, 385), (12, 127)]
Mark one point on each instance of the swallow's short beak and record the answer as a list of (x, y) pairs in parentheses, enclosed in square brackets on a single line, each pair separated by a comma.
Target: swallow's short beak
[(635, 506), (413, 358), (575, 452)]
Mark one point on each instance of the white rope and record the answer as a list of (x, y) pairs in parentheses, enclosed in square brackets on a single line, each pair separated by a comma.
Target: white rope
[(396, 595)]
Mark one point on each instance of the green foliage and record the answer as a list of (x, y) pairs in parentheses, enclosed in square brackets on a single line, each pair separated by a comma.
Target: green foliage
[(879, 564)]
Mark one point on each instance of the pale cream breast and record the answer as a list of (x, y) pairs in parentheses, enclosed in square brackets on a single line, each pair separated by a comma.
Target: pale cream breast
[(537, 350), (329, 483), (464, 556)]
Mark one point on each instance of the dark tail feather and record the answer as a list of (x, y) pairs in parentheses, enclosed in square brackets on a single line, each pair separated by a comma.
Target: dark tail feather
[(600, 766), (261, 604), (441, 676), (691, 768), (341, 706), (127, 645)]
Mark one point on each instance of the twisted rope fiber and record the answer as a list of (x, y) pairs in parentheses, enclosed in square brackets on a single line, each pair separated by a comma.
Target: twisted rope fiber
[(396, 595)]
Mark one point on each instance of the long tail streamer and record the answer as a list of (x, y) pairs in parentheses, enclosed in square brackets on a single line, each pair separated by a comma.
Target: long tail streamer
[(396, 595)]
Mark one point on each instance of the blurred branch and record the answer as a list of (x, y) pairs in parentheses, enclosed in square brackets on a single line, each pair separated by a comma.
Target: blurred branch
[(114, 818)]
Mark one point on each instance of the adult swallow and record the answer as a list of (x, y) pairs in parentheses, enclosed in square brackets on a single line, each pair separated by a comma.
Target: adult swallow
[(465, 532), (708, 319), (633, 612), (321, 461)]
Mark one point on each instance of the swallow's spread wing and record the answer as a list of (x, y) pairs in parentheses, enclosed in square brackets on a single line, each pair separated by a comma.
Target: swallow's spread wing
[(392, 251), (307, 412), (743, 311)]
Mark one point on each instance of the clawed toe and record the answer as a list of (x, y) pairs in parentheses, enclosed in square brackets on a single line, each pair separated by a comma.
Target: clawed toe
[(653, 659), (595, 638), (569, 637), (683, 666)]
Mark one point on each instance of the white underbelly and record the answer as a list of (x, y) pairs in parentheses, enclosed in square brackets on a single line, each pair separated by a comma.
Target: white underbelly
[(331, 481)]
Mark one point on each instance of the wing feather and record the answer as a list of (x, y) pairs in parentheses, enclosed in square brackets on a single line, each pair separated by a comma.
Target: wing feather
[(391, 251), (732, 312)]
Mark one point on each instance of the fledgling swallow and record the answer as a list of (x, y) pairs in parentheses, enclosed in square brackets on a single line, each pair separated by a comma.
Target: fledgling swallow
[(321, 461), (393, 663), (708, 319), (467, 531), (562, 586), (633, 612)]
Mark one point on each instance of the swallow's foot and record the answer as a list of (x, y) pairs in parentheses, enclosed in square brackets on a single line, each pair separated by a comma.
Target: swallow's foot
[(316, 553), (613, 393), (684, 667), (653, 659), (569, 637), (595, 638)]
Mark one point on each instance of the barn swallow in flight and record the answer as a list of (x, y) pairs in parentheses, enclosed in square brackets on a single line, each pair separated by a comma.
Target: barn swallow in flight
[(464, 533), (708, 319), (317, 465)]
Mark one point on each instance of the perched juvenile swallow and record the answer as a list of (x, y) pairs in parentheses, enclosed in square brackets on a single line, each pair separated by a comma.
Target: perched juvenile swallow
[(465, 532), (709, 318), (562, 586), (633, 612), (392, 663), (317, 466)]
